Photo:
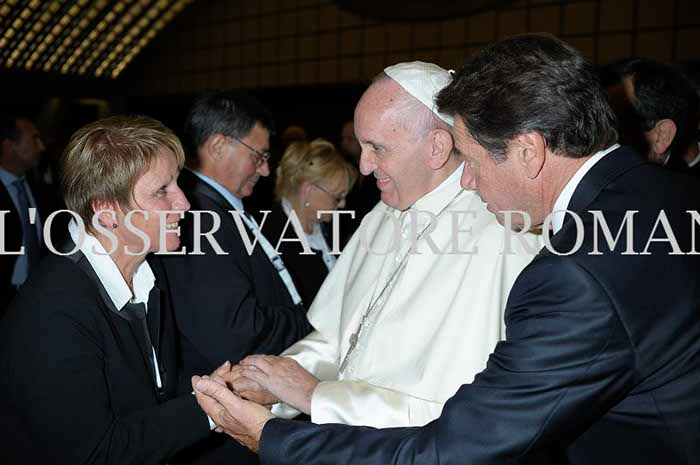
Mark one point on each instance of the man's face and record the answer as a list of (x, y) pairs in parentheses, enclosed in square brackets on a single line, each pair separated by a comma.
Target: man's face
[(238, 168), (28, 146), (348, 141), (389, 151), (500, 185)]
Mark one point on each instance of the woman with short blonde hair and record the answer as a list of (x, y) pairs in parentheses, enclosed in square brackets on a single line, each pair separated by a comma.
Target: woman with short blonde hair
[(98, 382), (311, 177)]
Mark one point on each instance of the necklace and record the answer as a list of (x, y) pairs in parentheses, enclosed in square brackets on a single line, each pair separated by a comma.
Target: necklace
[(355, 337)]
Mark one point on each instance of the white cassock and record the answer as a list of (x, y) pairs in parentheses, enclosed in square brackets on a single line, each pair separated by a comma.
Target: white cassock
[(431, 330)]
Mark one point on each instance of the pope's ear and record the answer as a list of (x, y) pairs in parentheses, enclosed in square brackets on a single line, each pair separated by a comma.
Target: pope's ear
[(441, 145), (530, 152)]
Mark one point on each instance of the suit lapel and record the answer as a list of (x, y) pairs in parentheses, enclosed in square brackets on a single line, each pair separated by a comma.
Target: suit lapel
[(134, 325), (600, 175)]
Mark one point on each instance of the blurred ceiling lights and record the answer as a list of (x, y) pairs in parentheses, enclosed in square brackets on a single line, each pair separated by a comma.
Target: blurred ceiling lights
[(79, 37)]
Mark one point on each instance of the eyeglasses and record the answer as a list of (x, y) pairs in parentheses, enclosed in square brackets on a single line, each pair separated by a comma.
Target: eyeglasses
[(259, 158), (338, 199)]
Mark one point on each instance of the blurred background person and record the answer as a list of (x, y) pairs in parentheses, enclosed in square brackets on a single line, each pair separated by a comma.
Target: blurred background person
[(657, 111), (20, 150), (228, 301), (293, 134), (364, 195), (311, 177), (88, 354)]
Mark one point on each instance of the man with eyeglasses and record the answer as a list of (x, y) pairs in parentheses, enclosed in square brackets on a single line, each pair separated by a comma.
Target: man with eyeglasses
[(230, 299)]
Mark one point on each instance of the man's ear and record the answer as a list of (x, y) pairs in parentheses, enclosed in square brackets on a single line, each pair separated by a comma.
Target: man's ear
[(529, 150), (214, 147), (441, 145), (661, 136)]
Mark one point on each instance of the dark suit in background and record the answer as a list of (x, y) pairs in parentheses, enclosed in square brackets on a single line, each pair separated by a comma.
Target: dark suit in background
[(12, 235), (308, 271), (226, 306), (13, 239), (75, 383), (601, 362)]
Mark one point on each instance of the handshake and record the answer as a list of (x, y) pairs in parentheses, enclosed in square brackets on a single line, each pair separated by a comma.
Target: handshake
[(233, 395)]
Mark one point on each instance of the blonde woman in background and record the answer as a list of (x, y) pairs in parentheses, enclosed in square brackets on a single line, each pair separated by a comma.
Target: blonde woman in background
[(311, 177)]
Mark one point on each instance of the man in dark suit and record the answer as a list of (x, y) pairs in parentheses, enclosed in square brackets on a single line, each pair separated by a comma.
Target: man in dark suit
[(657, 112), (20, 149), (601, 362), (230, 299)]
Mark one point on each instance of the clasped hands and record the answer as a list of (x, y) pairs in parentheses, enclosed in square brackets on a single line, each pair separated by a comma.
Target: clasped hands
[(238, 400)]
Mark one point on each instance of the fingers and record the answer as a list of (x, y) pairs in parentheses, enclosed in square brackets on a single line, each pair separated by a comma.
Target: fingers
[(264, 363), (210, 405), (246, 384), (255, 375), (265, 399), (223, 369), (217, 392), (219, 380)]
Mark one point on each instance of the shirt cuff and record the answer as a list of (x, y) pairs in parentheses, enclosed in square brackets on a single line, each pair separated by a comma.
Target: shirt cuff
[(212, 425)]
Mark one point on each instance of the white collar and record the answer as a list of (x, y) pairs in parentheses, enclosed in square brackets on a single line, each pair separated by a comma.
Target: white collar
[(695, 160), (562, 203), (7, 178), (315, 240), (436, 197), (109, 274), (230, 198)]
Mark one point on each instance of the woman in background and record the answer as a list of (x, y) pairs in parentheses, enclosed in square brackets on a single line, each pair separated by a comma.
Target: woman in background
[(311, 177)]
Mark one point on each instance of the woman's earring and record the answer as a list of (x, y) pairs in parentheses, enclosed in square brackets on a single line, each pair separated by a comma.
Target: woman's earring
[(307, 204)]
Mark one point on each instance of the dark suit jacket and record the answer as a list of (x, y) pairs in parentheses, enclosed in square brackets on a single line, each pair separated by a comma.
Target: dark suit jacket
[(12, 237), (75, 385), (226, 306), (601, 365), (308, 271)]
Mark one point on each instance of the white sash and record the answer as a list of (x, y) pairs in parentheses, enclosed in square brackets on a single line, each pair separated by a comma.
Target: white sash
[(272, 254)]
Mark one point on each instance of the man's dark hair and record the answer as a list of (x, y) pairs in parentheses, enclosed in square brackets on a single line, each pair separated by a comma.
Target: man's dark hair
[(232, 114), (8, 127), (662, 92), (531, 82)]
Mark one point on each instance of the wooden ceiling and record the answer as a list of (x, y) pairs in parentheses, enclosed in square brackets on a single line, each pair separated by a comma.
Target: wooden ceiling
[(90, 38)]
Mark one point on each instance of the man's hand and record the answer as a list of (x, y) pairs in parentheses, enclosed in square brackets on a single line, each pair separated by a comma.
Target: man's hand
[(249, 389), (282, 377), (240, 419)]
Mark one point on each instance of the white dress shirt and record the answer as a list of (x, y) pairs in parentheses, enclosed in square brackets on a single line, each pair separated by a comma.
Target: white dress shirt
[(562, 203), (315, 240), (116, 287)]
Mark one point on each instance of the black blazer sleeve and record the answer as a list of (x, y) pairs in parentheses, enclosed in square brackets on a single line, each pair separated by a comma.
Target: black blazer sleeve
[(227, 308), (58, 370), (566, 361)]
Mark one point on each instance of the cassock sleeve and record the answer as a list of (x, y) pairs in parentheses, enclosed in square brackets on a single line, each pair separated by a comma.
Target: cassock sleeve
[(566, 361), (319, 357), (364, 404)]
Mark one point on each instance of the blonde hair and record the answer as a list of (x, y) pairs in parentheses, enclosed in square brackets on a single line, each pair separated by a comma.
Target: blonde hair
[(311, 162), (104, 159)]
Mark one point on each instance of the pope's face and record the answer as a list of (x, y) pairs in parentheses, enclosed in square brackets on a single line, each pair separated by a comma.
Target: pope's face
[(390, 151)]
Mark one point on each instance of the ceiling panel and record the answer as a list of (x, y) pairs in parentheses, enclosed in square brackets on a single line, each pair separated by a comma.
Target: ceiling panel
[(97, 38)]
